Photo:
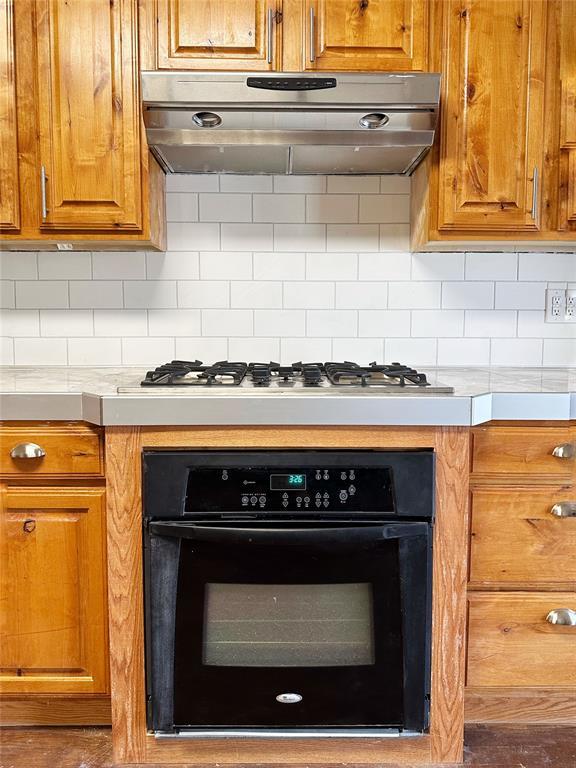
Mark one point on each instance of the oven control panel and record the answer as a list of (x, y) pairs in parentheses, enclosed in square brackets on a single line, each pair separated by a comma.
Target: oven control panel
[(318, 489)]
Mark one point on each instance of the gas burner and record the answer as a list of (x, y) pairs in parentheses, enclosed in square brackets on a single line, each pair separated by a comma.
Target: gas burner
[(394, 375), (186, 373), (263, 374)]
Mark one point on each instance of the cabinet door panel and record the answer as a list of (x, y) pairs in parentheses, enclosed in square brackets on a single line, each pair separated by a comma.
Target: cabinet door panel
[(53, 635), (88, 114), (9, 183), (567, 28), (493, 115), (215, 34), (376, 35)]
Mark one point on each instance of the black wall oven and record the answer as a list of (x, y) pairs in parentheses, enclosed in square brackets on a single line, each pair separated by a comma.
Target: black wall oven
[(288, 592)]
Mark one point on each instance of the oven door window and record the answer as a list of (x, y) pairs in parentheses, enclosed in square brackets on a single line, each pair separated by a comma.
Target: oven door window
[(289, 636)]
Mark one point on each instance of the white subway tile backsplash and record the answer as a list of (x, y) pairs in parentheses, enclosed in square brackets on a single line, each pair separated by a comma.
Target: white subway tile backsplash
[(94, 351), (108, 265), (300, 237), (437, 322), (414, 295), (203, 294), (463, 352), (225, 207), (384, 266), (490, 323), (308, 295), (42, 294), (246, 237), (183, 236), (384, 323), (67, 322), (357, 295), (202, 348), (517, 352), (40, 351), (238, 183), (472, 295), (174, 322), (120, 322), (437, 266), (172, 265), (225, 265), (491, 266), (7, 300), (284, 267), (19, 322), (279, 208), (280, 322), (389, 209), (279, 266), (18, 265), (145, 294), (547, 266), (352, 237), (181, 206), (147, 351), (331, 209), (520, 295), (294, 350), (331, 322), (256, 294), (228, 322)]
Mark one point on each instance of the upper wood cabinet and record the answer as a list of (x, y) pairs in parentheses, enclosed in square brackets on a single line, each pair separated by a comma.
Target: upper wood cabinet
[(289, 35), (374, 35), (53, 591), (493, 115), (9, 182), (566, 24), (217, 34), (88, 115)]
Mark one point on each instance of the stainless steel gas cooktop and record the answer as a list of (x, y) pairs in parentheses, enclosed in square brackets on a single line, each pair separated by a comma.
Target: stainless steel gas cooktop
[(394, 378)]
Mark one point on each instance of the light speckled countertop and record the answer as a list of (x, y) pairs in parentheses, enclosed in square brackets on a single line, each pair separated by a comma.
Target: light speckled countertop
[(91, 394)]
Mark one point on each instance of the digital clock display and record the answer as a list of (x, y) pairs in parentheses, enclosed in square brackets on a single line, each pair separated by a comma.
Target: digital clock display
[(292, 482)]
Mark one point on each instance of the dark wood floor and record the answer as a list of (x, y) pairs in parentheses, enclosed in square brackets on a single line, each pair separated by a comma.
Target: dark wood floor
[(489, 747)]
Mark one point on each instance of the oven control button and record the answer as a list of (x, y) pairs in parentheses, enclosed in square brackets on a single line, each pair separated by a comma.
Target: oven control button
[(253, 499), (224, 474), (352, 490), (288, 698), (343, 476), (326, 496), (352, 475), (285, 503), (326, 502), (244, 499), (262, 499), (284, 495), (306, 499), (318, 475), (325, 475), (343, 495), (318, 502)]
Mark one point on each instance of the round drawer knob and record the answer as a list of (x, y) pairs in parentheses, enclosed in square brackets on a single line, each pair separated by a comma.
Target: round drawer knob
[(566, 617), (565, 451), (27, 451), (564, 509)]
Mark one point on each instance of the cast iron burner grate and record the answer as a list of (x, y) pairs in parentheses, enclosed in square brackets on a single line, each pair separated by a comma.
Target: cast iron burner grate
[(263, 374), (186, 373), (394, 375)]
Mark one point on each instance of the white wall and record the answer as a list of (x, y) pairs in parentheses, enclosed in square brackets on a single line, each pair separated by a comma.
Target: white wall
[(289, 268)]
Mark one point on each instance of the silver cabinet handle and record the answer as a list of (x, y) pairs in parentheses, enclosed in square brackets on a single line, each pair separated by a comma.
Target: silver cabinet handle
[(564, 509), (312, 36), (27, 451), (566, 617), (43, 178), (565, 451), (535, 184), (270, 35)]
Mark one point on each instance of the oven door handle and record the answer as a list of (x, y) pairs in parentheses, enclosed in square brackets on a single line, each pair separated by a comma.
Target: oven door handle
[(342, 535)]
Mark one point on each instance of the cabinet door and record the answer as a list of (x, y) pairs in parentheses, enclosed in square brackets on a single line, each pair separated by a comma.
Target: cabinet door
[(491, 148), (9, 193), (373, 35), (218, 34), (53, 636), (88, 114), (567, 30)]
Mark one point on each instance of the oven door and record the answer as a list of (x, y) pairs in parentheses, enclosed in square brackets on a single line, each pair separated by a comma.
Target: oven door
[(288, 625)]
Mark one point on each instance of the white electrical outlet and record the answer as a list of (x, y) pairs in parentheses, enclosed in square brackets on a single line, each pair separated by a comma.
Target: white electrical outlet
[(555, 305), (571, 305)]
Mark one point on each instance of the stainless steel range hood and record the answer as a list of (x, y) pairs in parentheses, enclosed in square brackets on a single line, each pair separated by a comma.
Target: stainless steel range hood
[(290, 123)]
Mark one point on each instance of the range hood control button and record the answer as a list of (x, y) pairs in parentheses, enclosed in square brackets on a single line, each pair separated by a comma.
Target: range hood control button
[(207, 119), (374, 120)]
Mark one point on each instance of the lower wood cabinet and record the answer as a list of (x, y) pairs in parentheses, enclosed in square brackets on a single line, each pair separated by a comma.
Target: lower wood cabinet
[(53, 591)]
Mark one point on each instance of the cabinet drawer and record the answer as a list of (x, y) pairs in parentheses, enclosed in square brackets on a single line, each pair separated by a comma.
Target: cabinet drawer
[(524, 451), (511, 644), (517, 537), (68, 449)]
